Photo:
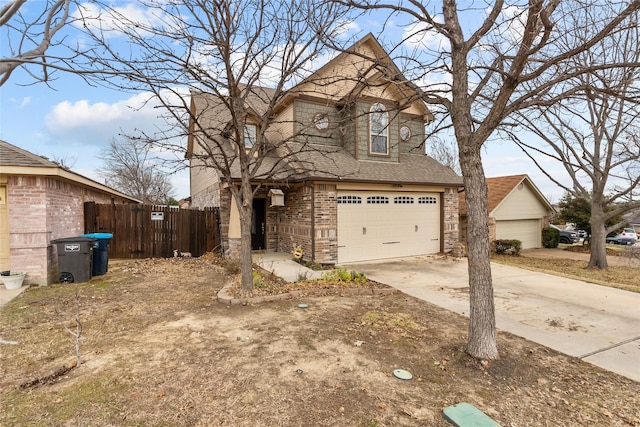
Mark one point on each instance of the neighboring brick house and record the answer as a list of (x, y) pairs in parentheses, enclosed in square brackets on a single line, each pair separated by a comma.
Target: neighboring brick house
[(41, 201), (517, 210), (355, 180)]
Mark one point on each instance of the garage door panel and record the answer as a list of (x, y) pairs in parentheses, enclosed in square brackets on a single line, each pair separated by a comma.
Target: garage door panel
[(527, 231), (387, 230)]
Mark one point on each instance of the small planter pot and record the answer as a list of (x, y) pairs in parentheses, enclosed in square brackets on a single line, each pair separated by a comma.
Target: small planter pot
[(13, 280)]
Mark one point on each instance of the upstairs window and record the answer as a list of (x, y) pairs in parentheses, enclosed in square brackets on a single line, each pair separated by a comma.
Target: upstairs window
[(379, 129), (250, 135)]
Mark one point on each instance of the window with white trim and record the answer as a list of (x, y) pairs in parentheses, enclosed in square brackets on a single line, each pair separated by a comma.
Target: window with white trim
[(250, 135), (349, 200), (427, 200), (377, 200), (379, 129), (403, 200)]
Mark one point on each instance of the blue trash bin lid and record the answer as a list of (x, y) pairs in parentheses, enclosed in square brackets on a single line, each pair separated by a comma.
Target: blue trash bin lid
[(99, 235)]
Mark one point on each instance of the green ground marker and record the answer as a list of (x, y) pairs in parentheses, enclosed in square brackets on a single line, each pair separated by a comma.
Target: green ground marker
[(467, 415)]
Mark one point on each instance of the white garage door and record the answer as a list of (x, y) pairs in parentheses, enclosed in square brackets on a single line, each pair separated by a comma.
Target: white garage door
[(528, 231), (378, 225)]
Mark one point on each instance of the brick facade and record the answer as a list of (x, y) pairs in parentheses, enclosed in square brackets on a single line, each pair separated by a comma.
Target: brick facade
[(294, 221), (325, 224), (450, 219), (309, 219), (41, 209)]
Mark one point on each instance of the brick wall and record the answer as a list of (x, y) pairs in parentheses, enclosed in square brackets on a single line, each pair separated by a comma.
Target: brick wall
[(464, 226), (42, 209), (294, 221), (225, 211), (325, 223), (450, 219)]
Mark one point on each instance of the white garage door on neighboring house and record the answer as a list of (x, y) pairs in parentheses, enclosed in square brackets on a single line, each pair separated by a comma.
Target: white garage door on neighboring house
[(528, 231), (377, 225)]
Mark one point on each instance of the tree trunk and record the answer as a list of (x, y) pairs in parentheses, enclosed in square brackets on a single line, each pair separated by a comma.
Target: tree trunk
[(245, 209), (482, 324), (598, 258)]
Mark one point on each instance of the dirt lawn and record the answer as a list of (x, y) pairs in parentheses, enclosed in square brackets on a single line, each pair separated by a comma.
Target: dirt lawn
[(159, 350)]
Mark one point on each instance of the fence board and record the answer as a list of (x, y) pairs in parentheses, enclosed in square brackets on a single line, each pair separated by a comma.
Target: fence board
[(137, 235)]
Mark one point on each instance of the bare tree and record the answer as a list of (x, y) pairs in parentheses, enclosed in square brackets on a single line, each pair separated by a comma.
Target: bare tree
[(229, 51), (444, 151), (495, 59), (28, 38), (593, 134), (130, 167)]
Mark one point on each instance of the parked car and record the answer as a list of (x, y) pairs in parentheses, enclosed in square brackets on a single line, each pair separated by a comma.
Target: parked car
[(628, 236), (630, 232), (566, 236)]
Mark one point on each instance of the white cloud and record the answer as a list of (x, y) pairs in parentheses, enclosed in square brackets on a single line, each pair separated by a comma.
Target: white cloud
[(82, 122), (421, 36), (111, 22), (81, 129), (345, 28)]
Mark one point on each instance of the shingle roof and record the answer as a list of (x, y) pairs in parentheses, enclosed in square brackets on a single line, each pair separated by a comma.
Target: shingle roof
[(10, 155), (331, 162), (16, 158), (320, 162), (498, 188)]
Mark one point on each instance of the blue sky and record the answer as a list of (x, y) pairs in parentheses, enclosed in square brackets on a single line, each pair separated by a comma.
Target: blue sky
[(73, 121)]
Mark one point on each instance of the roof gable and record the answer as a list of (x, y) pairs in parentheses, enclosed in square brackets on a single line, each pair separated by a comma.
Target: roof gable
[(499, 188), (365, 68), (17, 161)]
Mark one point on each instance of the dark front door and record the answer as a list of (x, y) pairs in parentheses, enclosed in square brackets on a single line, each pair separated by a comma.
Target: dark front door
[(258, 224)]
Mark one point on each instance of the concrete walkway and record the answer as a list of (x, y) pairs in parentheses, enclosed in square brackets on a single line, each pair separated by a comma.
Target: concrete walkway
[(283, 266), (7, 295), (598, 324)]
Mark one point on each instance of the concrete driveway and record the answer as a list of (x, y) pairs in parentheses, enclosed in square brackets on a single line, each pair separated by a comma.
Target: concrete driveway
[(598, 324)]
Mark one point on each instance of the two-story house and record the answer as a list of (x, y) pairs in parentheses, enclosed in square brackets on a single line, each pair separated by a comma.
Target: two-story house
[(359, 187)]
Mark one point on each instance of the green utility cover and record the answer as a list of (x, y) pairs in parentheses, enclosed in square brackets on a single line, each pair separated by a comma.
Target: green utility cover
[(467, 415)]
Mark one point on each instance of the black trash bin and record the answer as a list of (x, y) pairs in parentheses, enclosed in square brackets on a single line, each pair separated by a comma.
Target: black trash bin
[(75, 258), (100, 252)]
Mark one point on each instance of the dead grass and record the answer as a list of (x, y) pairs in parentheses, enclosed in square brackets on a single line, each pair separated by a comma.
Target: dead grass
[(160, 351), (623, 276)]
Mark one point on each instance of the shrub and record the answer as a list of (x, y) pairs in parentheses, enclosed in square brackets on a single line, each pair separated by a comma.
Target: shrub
[(507, 247), (259, 281), (338, 275), (550, 237), (231, 265)]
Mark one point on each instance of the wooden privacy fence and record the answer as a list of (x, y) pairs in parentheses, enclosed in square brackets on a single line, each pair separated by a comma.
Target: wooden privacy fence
[(146, 231)]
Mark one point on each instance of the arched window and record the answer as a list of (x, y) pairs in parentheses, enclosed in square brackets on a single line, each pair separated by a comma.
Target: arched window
[(379, 129)]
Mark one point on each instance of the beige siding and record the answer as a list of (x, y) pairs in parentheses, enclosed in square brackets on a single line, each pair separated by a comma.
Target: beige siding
[(521, 203), (282, 127), (340, 77), (204, 183)]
